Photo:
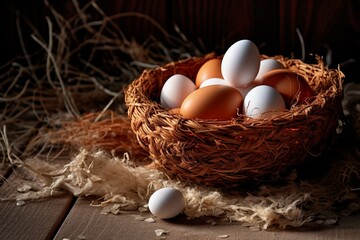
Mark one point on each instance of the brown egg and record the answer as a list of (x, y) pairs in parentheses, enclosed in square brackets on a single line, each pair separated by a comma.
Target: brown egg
[(289, 84), (210, 69), (212, 102), (174, 111)]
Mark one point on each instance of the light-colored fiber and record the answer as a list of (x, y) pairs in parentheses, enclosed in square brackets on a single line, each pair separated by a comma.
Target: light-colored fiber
[(118, 183)]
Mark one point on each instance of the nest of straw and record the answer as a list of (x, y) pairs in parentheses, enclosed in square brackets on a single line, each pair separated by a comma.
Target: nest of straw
[(229, 153)]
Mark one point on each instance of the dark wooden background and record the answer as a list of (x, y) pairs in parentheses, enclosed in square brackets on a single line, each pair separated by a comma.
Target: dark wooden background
[(214, 25)]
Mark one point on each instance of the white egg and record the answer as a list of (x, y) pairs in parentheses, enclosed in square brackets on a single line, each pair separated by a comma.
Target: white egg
[(219, 81), (245, 90), (266, 65), (175, 90), (262, 101), (214, 81), (166, 203), (241, 63)]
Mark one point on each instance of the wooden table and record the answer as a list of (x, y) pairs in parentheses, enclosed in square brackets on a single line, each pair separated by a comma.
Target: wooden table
[(67, 217)]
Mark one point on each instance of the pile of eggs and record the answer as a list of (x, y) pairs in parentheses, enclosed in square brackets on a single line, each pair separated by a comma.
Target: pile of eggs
[(239, 83)]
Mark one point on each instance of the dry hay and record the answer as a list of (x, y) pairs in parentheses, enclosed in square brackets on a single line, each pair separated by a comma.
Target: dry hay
[(82, 68), (66, 103)]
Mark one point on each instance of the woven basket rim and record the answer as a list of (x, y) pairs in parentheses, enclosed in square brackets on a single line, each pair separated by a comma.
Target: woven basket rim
[(286, 116)]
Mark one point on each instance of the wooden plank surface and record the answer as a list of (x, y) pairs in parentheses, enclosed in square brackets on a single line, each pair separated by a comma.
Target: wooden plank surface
[(44, 219), (87, 222), (5, 171), (38, 219)]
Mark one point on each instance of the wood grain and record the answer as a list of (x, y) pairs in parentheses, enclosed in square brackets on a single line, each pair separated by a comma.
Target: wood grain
[(146, 18), (213, 25), (87, 222), (324, 25), (266, 26), (38, 219)]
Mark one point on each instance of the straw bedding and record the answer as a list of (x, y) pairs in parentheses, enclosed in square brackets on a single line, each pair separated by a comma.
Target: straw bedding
[(64, 121)]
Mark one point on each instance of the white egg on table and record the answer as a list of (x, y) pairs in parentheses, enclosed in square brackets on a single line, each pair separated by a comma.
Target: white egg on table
[(240, 63), (175, 90), (166, 203), (263, 101)]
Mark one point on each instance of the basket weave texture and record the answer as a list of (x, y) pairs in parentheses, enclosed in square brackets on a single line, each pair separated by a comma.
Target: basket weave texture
[(231, 153)]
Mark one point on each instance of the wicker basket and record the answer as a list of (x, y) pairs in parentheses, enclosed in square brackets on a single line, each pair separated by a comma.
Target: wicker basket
[(230, 153)]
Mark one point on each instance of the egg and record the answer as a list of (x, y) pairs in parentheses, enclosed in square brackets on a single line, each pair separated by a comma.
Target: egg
[(218, 81), (212, 102), (266, 65), (262, 101), (210, 69), (174, 111), (240, 63), (175, 90), (214, 81), (244, 90), (166, 203), (289, 84)]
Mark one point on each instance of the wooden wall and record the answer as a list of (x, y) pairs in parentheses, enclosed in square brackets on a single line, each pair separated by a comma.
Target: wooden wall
[(213, 25)]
